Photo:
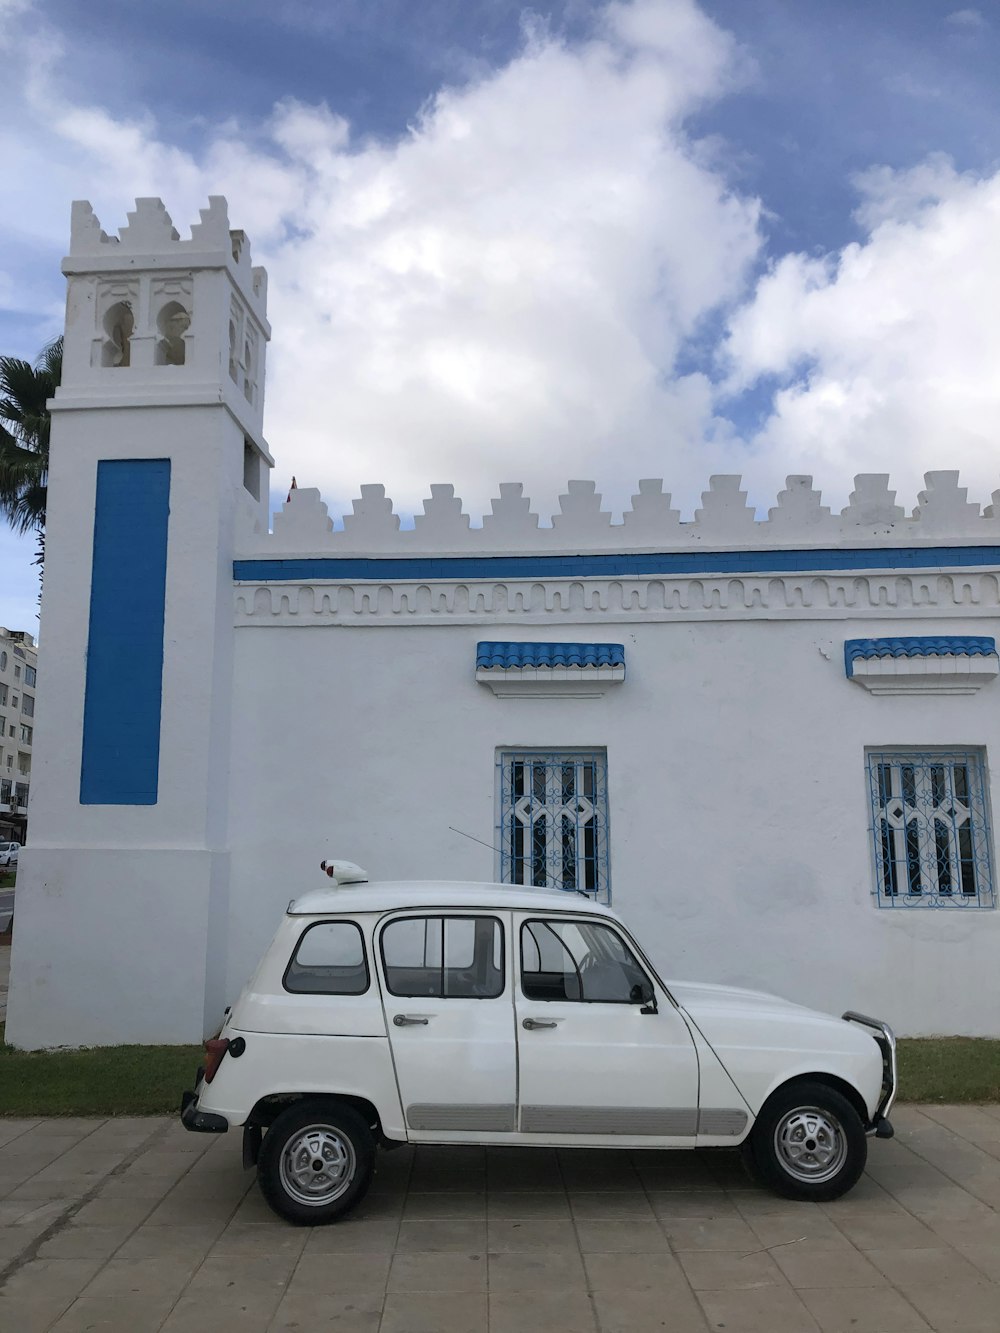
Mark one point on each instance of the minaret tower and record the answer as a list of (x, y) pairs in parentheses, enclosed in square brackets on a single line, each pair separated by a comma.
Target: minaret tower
[(157, 457)]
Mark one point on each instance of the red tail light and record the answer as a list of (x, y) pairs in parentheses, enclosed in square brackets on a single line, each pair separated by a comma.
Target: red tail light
[(214, 1051)]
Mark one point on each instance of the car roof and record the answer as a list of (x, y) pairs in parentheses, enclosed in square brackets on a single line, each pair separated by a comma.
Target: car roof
[(391, 895)]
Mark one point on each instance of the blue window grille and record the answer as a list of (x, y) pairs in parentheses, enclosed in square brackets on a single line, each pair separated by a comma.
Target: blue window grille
[(930, 828), (553, 820)]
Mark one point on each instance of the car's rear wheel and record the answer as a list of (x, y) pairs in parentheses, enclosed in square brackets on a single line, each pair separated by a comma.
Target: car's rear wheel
[(809, 1143), (316, 1162)]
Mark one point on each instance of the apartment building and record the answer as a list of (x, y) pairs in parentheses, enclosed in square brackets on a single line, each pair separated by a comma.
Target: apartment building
[(18, 667)]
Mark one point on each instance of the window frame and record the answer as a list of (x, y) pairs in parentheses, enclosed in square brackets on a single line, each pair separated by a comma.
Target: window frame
[(340, 994), (904, 862), (442, 916), (576, 921), (529, 859)]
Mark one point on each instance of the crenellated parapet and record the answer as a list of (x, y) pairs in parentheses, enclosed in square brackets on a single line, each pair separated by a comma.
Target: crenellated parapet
[(725, 521), (150, 238), (154, 318)]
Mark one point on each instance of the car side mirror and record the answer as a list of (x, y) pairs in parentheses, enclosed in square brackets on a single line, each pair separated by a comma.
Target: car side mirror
[(643, 993)]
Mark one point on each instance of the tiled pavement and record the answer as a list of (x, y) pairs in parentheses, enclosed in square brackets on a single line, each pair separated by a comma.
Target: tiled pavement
[(135, 1226)]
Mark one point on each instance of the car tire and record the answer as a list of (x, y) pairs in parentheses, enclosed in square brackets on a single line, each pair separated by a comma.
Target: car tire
[(808, 1143), (316, 1162)]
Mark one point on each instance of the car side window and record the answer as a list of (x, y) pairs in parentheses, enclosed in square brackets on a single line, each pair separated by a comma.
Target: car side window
[(329, 959), (446, 957), (584, 961)]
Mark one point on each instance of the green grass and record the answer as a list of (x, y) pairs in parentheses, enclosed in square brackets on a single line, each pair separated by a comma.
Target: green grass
[(949, 1069), (148, 1080), (104, 1081)]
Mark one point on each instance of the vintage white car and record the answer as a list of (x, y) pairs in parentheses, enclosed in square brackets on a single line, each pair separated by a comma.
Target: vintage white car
[(390, 1013)]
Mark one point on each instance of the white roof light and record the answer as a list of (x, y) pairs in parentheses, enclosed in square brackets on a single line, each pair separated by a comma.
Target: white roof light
[(344, 872)]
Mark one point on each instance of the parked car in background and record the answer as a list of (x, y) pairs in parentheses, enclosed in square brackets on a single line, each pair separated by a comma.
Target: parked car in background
[(8, 853), (496, 1014)]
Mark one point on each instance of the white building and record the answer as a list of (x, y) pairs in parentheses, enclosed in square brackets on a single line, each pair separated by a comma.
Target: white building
[(772, 744), (18, 672)]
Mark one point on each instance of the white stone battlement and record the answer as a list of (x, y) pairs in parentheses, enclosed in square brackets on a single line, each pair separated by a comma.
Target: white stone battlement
[(150, 239), (943, 516), (153, 319)]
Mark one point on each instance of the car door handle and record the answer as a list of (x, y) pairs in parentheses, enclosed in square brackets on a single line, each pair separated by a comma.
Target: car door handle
[(407, 1020), (532, 1023)]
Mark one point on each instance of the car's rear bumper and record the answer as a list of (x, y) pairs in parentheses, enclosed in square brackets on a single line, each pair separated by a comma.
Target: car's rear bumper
[(201, 1122)]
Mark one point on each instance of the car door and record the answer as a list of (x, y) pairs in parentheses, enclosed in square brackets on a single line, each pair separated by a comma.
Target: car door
[(603, 1053), (446, 985)]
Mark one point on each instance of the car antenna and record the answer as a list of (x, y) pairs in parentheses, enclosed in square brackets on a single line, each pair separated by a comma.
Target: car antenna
[(582, 892), (461, 834)]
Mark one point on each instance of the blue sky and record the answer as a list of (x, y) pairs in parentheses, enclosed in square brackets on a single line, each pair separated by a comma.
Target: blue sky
[(608, 240)]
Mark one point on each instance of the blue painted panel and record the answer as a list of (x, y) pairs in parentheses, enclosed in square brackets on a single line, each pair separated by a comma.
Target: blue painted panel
[(952, 645), (737, 563), (508, 654), (121, 713)]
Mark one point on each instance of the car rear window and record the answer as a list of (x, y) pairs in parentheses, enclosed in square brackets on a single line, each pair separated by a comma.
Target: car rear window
[(329, 959)]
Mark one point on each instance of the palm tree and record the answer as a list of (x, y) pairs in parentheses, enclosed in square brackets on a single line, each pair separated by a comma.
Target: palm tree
[(24, 438)]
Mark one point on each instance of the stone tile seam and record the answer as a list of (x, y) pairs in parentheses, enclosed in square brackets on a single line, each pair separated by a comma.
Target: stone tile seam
[(198, 1267), (927, 1110), (576, 1236), (60, 1223), (399, 1223), (855, 1248), (33, 1125), (967, 1189), (895, 1287)]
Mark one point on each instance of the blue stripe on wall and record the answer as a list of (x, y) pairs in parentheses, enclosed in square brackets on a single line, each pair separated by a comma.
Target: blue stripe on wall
[(121, 711), (350, 568)]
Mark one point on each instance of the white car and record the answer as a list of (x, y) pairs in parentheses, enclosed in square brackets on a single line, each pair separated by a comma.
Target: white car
[(390, 1013), (9, 853)]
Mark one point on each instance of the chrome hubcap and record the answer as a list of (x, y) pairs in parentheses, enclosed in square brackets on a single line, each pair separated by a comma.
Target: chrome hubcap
[(810, 1144), (317, 1165)]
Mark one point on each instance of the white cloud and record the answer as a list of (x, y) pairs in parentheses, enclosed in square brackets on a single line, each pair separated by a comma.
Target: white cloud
[(886, 352), (966, 18), (502, 292), (499, 294)]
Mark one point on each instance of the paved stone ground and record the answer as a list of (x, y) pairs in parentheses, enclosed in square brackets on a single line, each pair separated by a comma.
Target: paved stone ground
[(135, 1226)]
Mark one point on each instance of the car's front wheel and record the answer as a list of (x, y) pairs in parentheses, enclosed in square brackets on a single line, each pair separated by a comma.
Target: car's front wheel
[(316, 1162), (809, 1143)]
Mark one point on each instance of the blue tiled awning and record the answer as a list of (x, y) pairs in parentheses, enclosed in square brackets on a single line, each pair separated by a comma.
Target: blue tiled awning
[(512, 656), (956, 645)]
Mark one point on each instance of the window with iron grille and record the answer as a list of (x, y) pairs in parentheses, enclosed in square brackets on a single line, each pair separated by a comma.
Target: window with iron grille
[(930, 828), (552, 826)]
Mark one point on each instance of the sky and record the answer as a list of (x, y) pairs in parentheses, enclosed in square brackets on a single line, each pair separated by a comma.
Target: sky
[(599, 239)]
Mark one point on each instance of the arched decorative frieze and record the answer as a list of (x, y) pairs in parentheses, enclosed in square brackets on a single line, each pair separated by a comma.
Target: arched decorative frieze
[(801, 596)]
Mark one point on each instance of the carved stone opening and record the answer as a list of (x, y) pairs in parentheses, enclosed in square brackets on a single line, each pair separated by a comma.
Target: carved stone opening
[(233, 374), (251, 469), (119, 324), (173, 322)]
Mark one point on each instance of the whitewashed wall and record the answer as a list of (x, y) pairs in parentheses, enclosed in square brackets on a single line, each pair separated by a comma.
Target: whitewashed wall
[(310, 709), (738, 798)]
